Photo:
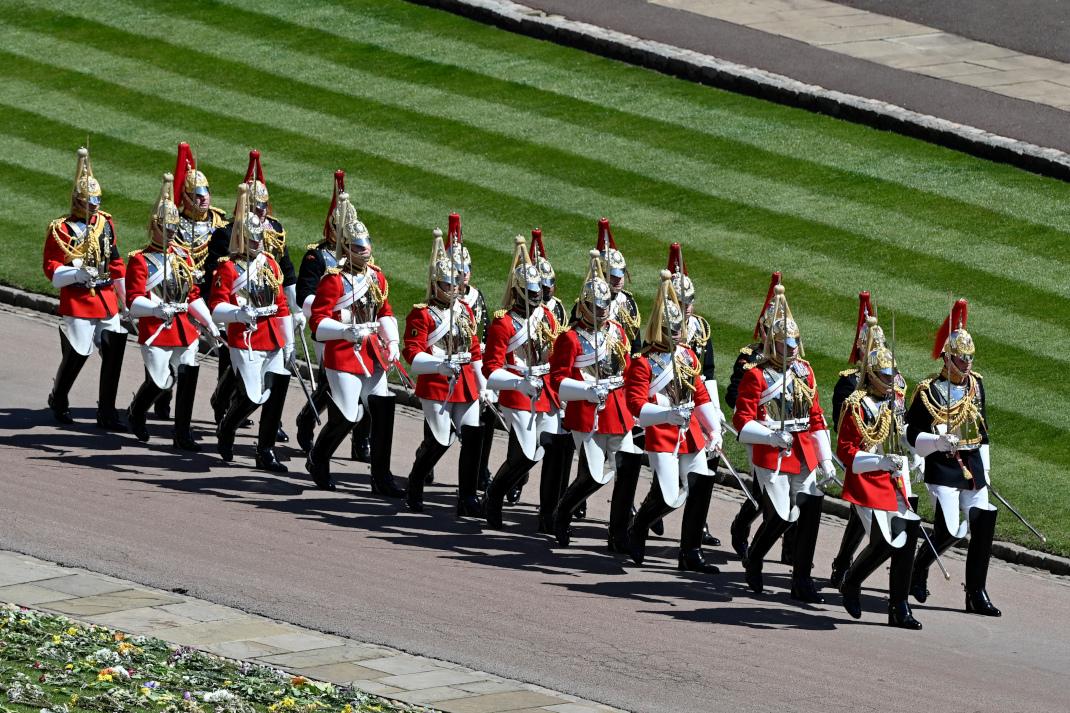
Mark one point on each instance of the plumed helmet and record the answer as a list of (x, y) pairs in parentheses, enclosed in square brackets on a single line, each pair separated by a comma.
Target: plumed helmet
[(952, 338), (595, 293), (350, 233), (666, 321), (86, 188), (188, 179), (164, 213)]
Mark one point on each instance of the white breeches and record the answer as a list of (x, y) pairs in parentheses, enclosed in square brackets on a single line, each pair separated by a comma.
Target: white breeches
[(84, 334), (163, 362), (672, 471), (599, 449), (954, 501), (350, 392), (783, 488), (317, 347), (528, 429), (445, 419), (252, 366), (884, 518)]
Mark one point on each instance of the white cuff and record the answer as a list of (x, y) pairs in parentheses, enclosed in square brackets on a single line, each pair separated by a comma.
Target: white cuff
[(925, 444), (306, 306), (66, 275), (824, 445), (225, 312), (866, 462), (653, 415), (756, 434), (576, 390), (708, 417), (288, 331), (388, 329), (142, 307), (424, 363), (291, 297), (481, 380), (503, 380), (986, 458), (120, 291), (711, 387), (200, 311), (330, 330)]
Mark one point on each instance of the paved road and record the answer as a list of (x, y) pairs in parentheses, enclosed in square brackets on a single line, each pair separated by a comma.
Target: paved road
[(1007, 116), (645, 639)]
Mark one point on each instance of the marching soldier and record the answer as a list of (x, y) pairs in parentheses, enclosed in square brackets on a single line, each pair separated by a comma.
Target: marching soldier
[(947, 424), (623, 307), (81, 258), (666, 392), (537, 253), (871, 441), (274, 243), (778, 413), (351, 315), (442, 344), (695, 532), (516, 365), (247, 296), (162, 293), (587, 370)]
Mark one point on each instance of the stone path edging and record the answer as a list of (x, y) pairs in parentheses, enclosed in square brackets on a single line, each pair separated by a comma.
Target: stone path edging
[(713, 71)]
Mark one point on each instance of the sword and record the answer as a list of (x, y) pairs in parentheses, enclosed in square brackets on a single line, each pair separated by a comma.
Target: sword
[(403, 377), (735, 474), (308, 360), (304, 387), (939, 562), (493, 408), (1014, 511)]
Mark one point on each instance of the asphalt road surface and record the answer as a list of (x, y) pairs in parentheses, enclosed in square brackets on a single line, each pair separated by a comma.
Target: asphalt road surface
[(576, 620)]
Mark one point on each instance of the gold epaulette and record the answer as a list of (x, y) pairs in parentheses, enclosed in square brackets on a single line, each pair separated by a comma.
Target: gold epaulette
[(849, 372), (922, 385), (219, 218), (337, 270), (225, 258), (420, 305), (375, 267), (132, 253), (750, 365), (747, 350), (103, 213), (312, 246), (500, 313)]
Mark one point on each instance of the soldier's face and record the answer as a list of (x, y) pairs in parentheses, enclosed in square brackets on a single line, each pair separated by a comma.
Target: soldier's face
[(260, 210), (534, 297), (547, 292), (960, 366), (616, 283), (360, 253), (786, 350), (689, 308), (883, 383), (83, 208)]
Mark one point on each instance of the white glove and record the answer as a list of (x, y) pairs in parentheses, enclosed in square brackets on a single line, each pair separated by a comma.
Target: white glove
[(528, 388), (288, 352), (486, 397), (299, 321), (163, 311), (714, 441), (679, 417), (447, 369), (946, 442), (782, 440), (66, 275), (755, 433), (246, 315), (827, 469), (392, 352), (353, 334), (893, 463), (213, 330), (599, 392)]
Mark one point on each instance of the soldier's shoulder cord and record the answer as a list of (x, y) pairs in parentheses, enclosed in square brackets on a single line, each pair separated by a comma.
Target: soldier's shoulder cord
[(923, 385), (747, 350), (750, 365), (104, 214), (500, 313), (134, 253), (224, 258), (337, 270), (312, 247), (977, 374), (849, 372), (219, 218), (420, 305)]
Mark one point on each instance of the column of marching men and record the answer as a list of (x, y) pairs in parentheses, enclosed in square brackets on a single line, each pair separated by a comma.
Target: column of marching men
[(593, 383)]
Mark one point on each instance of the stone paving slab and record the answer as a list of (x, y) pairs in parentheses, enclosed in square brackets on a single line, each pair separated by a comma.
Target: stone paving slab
[(234, 634)]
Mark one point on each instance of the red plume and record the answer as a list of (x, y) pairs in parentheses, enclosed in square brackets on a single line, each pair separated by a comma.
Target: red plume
[(453, 231), (605, 236), (185, 163), (956, 320), (774, 280), (537, 249), (254, 165), (865, 309), (339, 187), (676, 259)]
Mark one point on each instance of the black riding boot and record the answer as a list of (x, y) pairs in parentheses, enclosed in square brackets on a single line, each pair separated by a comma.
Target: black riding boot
[(112, 347), (556, 467), (768, 533), (136, 414), (468, 503), (942, 540), (306, 417), (361, 449), (581, 488), (653, 508), (185, 393), (869, 559), (381, 410), (809, 522), (899, 613), (70, 363), (161, 407), (748, 513), (486, 422), (982, 530), (331, 435), (225, 387), (700, 490), (270, 417), (513, 496), (427, 455), (852, 538), (625, 483), (240, 408), (515, 467)]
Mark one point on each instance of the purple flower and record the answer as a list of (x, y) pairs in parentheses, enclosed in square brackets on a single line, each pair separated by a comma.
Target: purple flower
[(186, 696)]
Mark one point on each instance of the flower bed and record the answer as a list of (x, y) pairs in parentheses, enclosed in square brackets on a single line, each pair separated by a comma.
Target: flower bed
[(49, 664)]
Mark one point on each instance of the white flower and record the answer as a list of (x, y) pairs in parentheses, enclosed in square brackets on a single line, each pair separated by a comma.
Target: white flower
[(106, 656), (219, 696)]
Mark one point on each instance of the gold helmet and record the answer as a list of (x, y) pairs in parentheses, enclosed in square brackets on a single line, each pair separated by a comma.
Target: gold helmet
[(86, 188), (441, 272), (524, 287), (595, 295), (780, 326), (189, 181), (613, 263), (665, 328), (351, 235), (866, 309), (878, 367), (258, 193), (685, 289), (164, 213), (246, 232), (952, 339)]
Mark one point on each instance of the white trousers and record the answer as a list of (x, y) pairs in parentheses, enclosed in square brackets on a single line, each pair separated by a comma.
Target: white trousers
[(954, 501), (84, 334), (529, 429), (672, 471), (883, 520), (599, 450), (350, 392), (445, 419), (783, 488), (252, 366), (162, 362)]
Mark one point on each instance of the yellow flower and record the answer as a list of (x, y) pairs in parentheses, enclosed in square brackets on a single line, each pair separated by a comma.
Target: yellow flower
[(119, 636), (69, 666), (56, 639), (74, 699), (227, 683), (144, 691), (347, 708), (72, 631), (126, 647), (103, 676)]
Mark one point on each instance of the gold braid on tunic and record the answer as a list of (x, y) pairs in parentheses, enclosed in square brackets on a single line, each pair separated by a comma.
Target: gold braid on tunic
[(871, 434), (953, 416)]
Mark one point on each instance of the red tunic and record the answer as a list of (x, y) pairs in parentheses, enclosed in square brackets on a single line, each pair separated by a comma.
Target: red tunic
[(76, 300), (615, 418), (340, 354), (270, 333), (747, 409), (182, 332), (662, 438), (498, 334), (434, 387), (874, 489)]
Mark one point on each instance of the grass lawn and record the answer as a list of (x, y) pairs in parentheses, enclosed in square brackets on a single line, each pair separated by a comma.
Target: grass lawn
[(49, 663), (429, 113)]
